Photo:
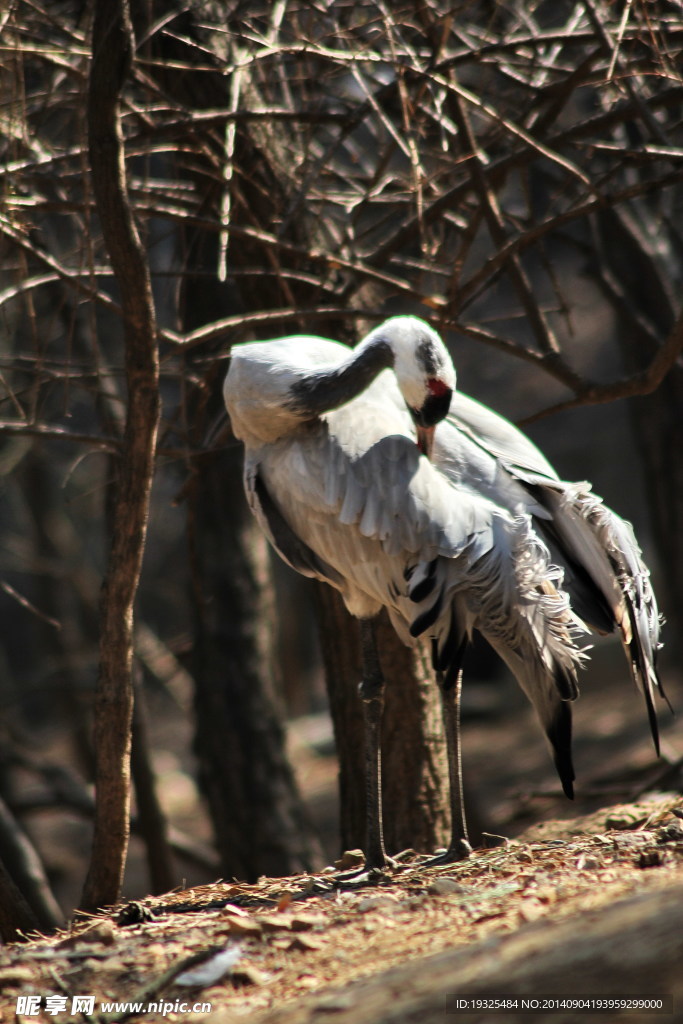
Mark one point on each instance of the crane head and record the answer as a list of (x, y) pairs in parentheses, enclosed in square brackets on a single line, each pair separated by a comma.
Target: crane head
[(424, 371), (434, 408)]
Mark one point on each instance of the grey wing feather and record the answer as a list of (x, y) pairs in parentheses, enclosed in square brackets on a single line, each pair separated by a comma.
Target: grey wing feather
[(604, 572), (291, 548), (498, 436)]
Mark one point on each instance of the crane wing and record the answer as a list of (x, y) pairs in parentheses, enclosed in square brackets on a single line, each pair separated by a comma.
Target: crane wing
[(498, 437), (604, 572)]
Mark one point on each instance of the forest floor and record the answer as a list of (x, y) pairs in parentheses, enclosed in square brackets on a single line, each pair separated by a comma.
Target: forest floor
[(299, 949), (585, 899)]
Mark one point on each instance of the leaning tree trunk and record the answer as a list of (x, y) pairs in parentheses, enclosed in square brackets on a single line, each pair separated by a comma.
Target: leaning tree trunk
[(26, 900), (17, 919)]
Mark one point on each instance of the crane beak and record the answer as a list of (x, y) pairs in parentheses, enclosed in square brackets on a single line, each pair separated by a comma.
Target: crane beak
[(425, 440)]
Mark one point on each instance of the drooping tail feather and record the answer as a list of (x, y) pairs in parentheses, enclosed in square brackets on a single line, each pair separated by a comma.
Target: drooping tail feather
[(559, 732), (593, 537)]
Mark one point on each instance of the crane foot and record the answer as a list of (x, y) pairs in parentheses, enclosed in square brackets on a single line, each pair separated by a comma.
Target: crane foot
[(460, 849)]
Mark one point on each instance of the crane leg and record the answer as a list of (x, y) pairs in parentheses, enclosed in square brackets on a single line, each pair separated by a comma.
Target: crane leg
[(372, 696), (459, 847)]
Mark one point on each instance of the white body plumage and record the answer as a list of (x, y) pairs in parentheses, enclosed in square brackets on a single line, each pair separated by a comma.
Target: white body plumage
[(447, 545)]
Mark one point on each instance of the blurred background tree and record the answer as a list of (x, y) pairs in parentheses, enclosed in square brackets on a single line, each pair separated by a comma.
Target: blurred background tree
[(512, 172)]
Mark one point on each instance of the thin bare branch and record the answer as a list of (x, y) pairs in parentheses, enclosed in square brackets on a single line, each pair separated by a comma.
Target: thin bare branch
[(643, 383), (53, 433), (29, 605), (492, 213)]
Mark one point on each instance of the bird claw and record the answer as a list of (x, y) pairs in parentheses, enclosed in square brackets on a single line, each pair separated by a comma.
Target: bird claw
[(459, 849), (360, 878), (364, 875), (354, 878)]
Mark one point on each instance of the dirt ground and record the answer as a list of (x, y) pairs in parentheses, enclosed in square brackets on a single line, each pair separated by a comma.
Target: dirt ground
[(306, 950), (580, 898)]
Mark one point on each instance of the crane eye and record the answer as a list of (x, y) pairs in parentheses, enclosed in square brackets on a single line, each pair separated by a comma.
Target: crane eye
[(436, 387)]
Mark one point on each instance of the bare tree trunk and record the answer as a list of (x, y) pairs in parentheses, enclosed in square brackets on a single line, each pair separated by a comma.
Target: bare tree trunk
[(112, 48), (658, 421), (414, 757), (152, 823), (414, 793), (341, 657), (260, 823)]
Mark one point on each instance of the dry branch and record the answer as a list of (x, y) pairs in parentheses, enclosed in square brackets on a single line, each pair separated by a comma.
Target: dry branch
[(643, 383)]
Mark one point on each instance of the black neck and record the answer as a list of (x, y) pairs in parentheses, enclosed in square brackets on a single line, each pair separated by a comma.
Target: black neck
[(325, 390)]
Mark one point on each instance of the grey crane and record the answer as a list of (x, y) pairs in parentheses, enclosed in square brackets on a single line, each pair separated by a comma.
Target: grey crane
[(367, 470)]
